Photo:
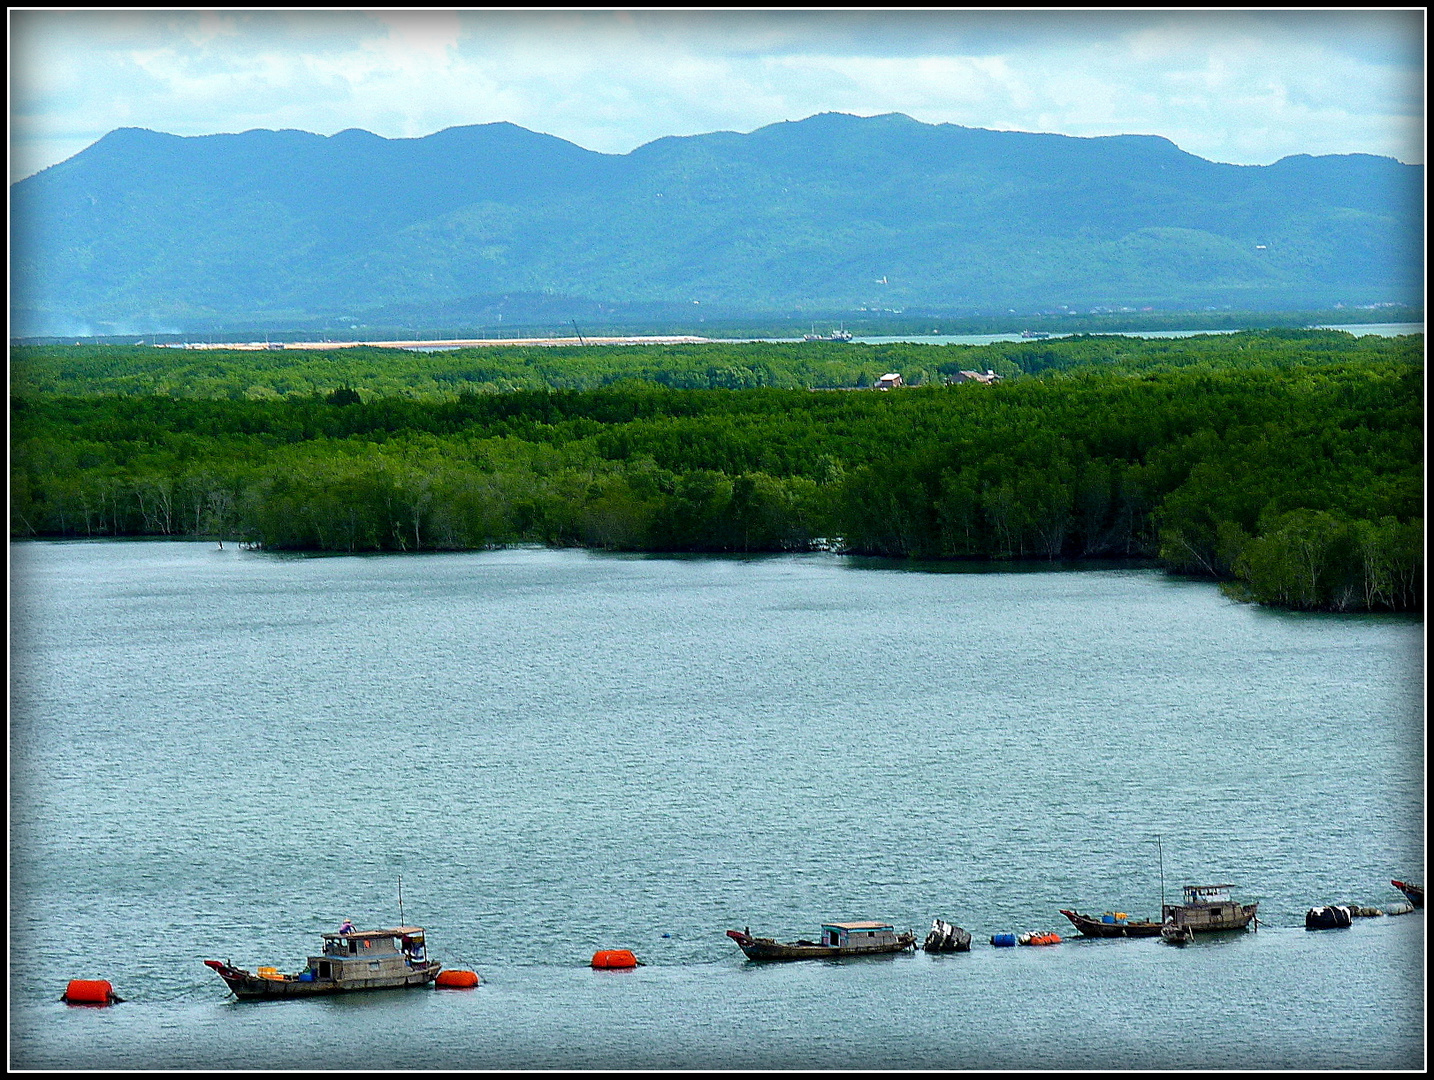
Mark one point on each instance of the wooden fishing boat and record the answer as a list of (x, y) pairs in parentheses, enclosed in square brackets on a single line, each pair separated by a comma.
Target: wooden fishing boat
[(1112, 924), (1207, 908), (1415, 893), (837, 939), (351, 960)]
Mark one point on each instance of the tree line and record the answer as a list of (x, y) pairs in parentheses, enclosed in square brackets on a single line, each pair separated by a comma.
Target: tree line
[(1288, 468), (234, 374)]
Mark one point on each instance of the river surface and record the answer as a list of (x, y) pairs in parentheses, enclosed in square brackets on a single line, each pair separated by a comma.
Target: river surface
[(1357, 329), (224, 754)]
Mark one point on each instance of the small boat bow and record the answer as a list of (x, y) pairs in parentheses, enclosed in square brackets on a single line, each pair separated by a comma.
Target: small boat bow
[(1119, 925), (1414, 893)]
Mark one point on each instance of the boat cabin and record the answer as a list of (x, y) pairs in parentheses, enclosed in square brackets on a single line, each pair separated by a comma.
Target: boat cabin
[(1208, 907), (369, 952), (858, 935), (1207, 894)]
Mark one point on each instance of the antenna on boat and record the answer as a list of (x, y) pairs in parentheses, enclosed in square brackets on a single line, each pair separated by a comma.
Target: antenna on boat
[(1161, 850), (400, 901)]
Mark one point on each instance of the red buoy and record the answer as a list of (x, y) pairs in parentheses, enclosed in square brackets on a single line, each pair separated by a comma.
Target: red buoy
[(90, 992), (614, 958), (457, 980)]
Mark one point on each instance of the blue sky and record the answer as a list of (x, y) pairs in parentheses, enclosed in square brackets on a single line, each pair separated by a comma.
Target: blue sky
[(1242, 86)]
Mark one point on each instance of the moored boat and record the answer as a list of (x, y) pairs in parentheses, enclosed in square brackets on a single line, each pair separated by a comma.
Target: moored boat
[(837, 939), (351, 960), (1207, 908), (1414, 893), (1111, 924)]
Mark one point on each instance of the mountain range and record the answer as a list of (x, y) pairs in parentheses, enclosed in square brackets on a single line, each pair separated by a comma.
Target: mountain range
[(818, 217)]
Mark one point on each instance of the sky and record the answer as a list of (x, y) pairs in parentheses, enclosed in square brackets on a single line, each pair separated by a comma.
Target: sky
[(1243, 86)]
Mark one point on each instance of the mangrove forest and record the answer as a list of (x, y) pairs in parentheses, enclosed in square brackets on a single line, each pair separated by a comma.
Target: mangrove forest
[(1285, 464)]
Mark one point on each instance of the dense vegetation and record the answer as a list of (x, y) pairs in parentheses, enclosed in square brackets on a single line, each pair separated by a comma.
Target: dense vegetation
[(1287, 464), (377, 372)]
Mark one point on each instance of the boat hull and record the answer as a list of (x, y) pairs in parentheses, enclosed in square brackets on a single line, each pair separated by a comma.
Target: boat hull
[(1090, 926), (250, 987), (767, 949), (1413, 893)]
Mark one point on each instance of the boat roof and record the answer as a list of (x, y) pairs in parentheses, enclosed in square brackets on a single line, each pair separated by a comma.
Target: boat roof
[(860, 925), (1202, 888), (397, 931)]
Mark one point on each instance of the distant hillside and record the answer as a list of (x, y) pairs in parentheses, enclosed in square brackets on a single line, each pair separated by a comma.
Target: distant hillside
[(831, 214)]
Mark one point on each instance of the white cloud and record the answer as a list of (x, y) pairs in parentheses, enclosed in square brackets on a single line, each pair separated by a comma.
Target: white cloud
[(1232, 86)]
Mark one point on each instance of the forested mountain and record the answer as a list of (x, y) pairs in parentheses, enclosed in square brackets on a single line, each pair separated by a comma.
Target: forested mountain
[(830, 214)]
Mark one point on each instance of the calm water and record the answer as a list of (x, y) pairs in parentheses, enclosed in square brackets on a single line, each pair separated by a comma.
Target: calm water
[(1357, 329), (223, 754)]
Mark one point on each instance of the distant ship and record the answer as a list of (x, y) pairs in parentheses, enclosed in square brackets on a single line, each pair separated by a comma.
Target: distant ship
[(1034, 334), (835, 335)]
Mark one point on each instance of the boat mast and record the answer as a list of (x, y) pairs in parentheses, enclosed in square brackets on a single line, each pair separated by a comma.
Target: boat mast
[(1161, 850), (400, 901)]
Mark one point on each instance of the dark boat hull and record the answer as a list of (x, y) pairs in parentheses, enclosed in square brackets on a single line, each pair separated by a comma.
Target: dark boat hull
[(249, 987), (1090, 926), (1414, 893), (767, 949)]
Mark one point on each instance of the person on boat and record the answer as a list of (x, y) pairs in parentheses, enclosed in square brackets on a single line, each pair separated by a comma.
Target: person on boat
[(347, 927)]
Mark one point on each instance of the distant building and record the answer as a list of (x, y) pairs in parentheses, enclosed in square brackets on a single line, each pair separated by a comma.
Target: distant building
[(975, 376), (889, 381)]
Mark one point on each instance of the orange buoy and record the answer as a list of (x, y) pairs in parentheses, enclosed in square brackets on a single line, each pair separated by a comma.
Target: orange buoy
[(614, 958), (457, 980), (90, 992)]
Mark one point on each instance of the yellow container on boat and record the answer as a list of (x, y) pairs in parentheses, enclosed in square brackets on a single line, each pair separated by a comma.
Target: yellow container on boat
[(269, 973)]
